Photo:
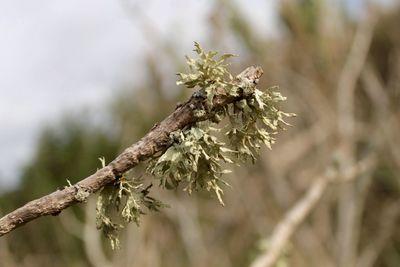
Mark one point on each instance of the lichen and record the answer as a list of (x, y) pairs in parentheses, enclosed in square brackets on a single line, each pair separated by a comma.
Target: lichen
[(198, 156), (121, 203), (195, 159), (81, 194), (208, 73), (255, 121)]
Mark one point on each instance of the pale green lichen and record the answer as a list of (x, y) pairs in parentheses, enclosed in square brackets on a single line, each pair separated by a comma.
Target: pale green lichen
[(81, 195), (255, 121), (197, 158), (194, 159), (104, 209), (208, 73), (122, 203)]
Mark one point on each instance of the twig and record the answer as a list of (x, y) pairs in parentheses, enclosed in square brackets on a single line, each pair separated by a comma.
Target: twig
[(296, 215), (6, 256), (388, 219), (86, 232), (348, 208), (156, 140), (190, 232), (387, 120), (350, 74)]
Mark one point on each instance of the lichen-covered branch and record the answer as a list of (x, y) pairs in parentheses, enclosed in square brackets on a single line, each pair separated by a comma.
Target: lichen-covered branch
[(197, 157), (182, 149), (156, 140)]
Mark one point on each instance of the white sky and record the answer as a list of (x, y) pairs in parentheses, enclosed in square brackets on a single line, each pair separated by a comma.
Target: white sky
[(58, 55)]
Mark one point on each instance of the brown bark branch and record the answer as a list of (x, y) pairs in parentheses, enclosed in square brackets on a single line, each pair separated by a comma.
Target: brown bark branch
[(156, 140), (299, 212)]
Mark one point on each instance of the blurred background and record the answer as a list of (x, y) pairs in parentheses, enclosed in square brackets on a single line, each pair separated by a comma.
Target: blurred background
[(84, 79)]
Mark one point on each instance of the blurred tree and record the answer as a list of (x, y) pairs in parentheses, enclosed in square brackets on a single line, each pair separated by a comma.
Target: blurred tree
[(68, 152)]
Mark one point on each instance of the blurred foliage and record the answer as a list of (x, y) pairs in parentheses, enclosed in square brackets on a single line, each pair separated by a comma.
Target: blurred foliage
[(306, 62), (68, 152)]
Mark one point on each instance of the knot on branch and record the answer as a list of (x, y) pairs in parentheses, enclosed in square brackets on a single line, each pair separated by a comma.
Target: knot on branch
[(81, 194)]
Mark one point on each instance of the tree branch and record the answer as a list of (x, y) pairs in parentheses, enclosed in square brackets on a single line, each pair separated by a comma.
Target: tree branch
[(299, 212), (156, 140)]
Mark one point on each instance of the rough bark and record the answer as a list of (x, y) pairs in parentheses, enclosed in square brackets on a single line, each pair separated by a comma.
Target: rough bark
[(156, 140)]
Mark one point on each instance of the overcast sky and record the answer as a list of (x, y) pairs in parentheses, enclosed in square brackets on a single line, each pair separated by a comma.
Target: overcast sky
[(58, 56)]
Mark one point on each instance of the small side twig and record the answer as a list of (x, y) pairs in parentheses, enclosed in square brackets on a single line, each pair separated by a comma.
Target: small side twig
[(388, 220)]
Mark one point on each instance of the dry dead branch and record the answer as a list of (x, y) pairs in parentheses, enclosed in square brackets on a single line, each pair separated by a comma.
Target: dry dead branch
[(296, 215)]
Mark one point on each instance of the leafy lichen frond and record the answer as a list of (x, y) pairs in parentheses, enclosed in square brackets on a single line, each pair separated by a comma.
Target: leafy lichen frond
[(208, 73), (254, 122), (122, 203), (197, 158)]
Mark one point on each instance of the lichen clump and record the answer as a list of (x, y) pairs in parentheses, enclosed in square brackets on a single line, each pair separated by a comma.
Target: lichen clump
[(196, 157), (199, 154), (121, 203), (208, 73)]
